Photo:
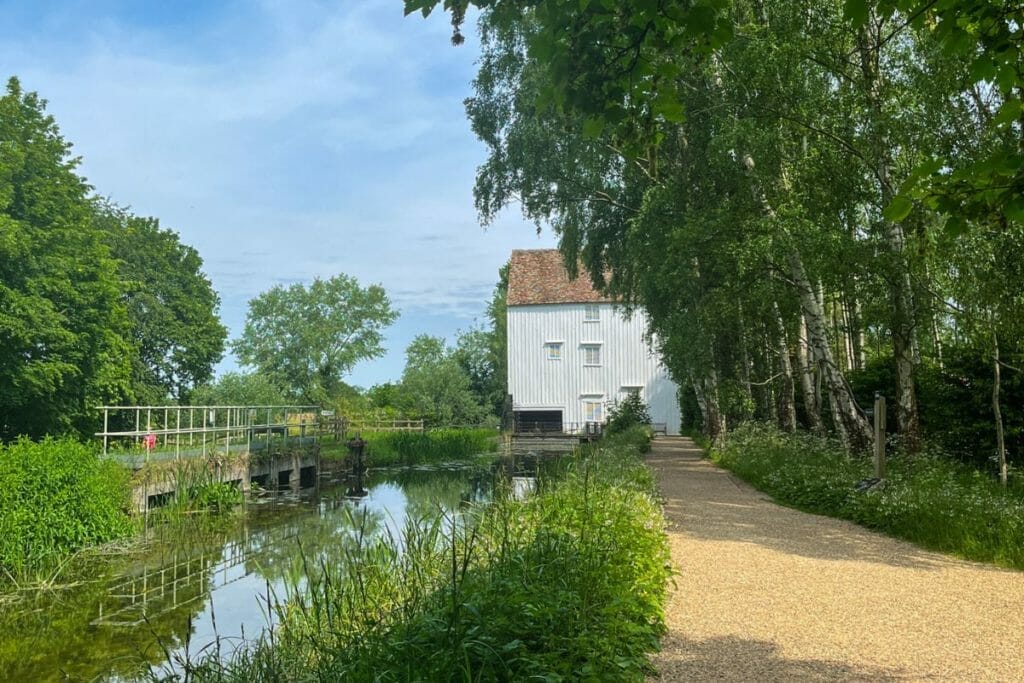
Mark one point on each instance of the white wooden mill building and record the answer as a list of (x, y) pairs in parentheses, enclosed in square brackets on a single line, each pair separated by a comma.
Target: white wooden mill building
[(572, 353)]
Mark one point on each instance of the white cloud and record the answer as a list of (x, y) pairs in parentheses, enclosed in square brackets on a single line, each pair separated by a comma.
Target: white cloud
[(287, 140)]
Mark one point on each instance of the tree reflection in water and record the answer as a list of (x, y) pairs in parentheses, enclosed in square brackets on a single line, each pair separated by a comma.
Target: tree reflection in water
[(125, 608)]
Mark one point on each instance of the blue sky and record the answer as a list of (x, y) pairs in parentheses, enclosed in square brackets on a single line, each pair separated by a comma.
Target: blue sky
[(283, 140)]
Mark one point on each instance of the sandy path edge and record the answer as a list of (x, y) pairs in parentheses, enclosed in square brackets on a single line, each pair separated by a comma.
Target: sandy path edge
[(768, 593)]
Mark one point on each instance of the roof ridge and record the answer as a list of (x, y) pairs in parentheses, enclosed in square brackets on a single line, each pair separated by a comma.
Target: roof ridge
[(539, 276)]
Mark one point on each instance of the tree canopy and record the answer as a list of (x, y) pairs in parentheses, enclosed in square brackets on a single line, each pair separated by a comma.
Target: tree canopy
[(435, 387), (790, 190), (171, 304), (96, 305), (64, 330), (306, 339)]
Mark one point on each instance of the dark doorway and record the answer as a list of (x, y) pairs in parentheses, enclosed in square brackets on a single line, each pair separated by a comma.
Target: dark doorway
[(538, 421)]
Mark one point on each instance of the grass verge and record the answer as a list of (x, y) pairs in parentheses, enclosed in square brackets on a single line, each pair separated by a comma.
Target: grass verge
[(927, 498), (567, 584)]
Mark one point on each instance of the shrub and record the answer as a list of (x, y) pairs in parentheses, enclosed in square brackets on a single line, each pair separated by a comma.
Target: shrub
[(927, 498), (216, 497), (57, 496), (629, 412), (955, 403)]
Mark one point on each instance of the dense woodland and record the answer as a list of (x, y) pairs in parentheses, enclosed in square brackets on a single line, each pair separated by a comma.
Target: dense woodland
[(812, 201)]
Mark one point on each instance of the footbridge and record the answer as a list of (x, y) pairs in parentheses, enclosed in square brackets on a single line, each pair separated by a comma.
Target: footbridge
[(170, 447)]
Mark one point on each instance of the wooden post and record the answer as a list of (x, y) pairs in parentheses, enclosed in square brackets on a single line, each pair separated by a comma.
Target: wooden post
[(106, 428), (879, 436)]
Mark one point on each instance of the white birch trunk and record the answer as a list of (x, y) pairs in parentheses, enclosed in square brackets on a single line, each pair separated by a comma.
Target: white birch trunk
[(810, 382), (849, 420), (786, 401)]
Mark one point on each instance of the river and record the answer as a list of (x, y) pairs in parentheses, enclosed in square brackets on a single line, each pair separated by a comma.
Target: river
[(186, 587)]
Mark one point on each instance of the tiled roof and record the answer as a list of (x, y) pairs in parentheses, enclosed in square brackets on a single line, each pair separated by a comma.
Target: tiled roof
[(538, 276)]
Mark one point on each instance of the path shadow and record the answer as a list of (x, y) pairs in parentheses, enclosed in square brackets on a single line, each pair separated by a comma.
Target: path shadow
[(738, 659), (707, 502)]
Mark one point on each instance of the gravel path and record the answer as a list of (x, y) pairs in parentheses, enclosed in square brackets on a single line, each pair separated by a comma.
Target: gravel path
[(766, 593)]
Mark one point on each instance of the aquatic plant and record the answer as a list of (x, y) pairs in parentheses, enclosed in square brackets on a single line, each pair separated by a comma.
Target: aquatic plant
[(196, 485), (56, 497)]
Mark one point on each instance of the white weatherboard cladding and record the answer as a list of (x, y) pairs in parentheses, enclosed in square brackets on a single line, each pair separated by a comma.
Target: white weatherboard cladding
[(536, 382)]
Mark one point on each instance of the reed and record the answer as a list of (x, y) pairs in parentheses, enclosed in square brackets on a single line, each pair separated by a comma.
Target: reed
[(567, 584), (385, 449)]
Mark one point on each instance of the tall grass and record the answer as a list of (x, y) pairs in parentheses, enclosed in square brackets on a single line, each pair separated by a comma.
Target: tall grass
[(413, 448), (56, 497), (927, 498), (568, 584), (196, 486)]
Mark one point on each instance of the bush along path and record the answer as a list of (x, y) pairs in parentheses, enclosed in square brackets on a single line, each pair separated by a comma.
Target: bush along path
[(769, 593)]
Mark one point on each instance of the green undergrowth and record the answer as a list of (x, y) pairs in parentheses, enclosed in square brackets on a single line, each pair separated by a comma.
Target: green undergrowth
[(198, 487), (927, 498), (57, 497), (413, 448), (567, 584)]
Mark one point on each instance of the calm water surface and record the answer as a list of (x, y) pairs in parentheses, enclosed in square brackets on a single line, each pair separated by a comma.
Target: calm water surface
[(184, 587)]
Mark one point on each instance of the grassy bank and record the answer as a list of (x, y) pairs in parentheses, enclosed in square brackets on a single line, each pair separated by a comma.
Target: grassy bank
[(568, 584), (56, 497), (927, 498), (413, 448)]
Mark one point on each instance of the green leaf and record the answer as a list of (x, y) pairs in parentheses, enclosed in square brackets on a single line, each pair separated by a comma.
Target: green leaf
[(701, 19), (670, 110), (982, 70), (1014, 210), (1008, 113), (592, 127), (856, 11), (955, 226), (898, 209)]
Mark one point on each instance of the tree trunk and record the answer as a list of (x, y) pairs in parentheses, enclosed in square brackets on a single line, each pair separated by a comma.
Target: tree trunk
[(850, 421), (810, 383), (839, 334), (711, 413), (851, 351), (748, 388), (859, 342), (698, 390), (936, 341), (786, 401), (869, 46), (767, 388), (997, 411)]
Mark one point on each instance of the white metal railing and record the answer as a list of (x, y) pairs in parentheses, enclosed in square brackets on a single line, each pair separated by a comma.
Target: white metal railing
[(150, 429)]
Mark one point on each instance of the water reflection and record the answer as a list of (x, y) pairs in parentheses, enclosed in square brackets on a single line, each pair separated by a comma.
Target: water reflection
[(190, 585)]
